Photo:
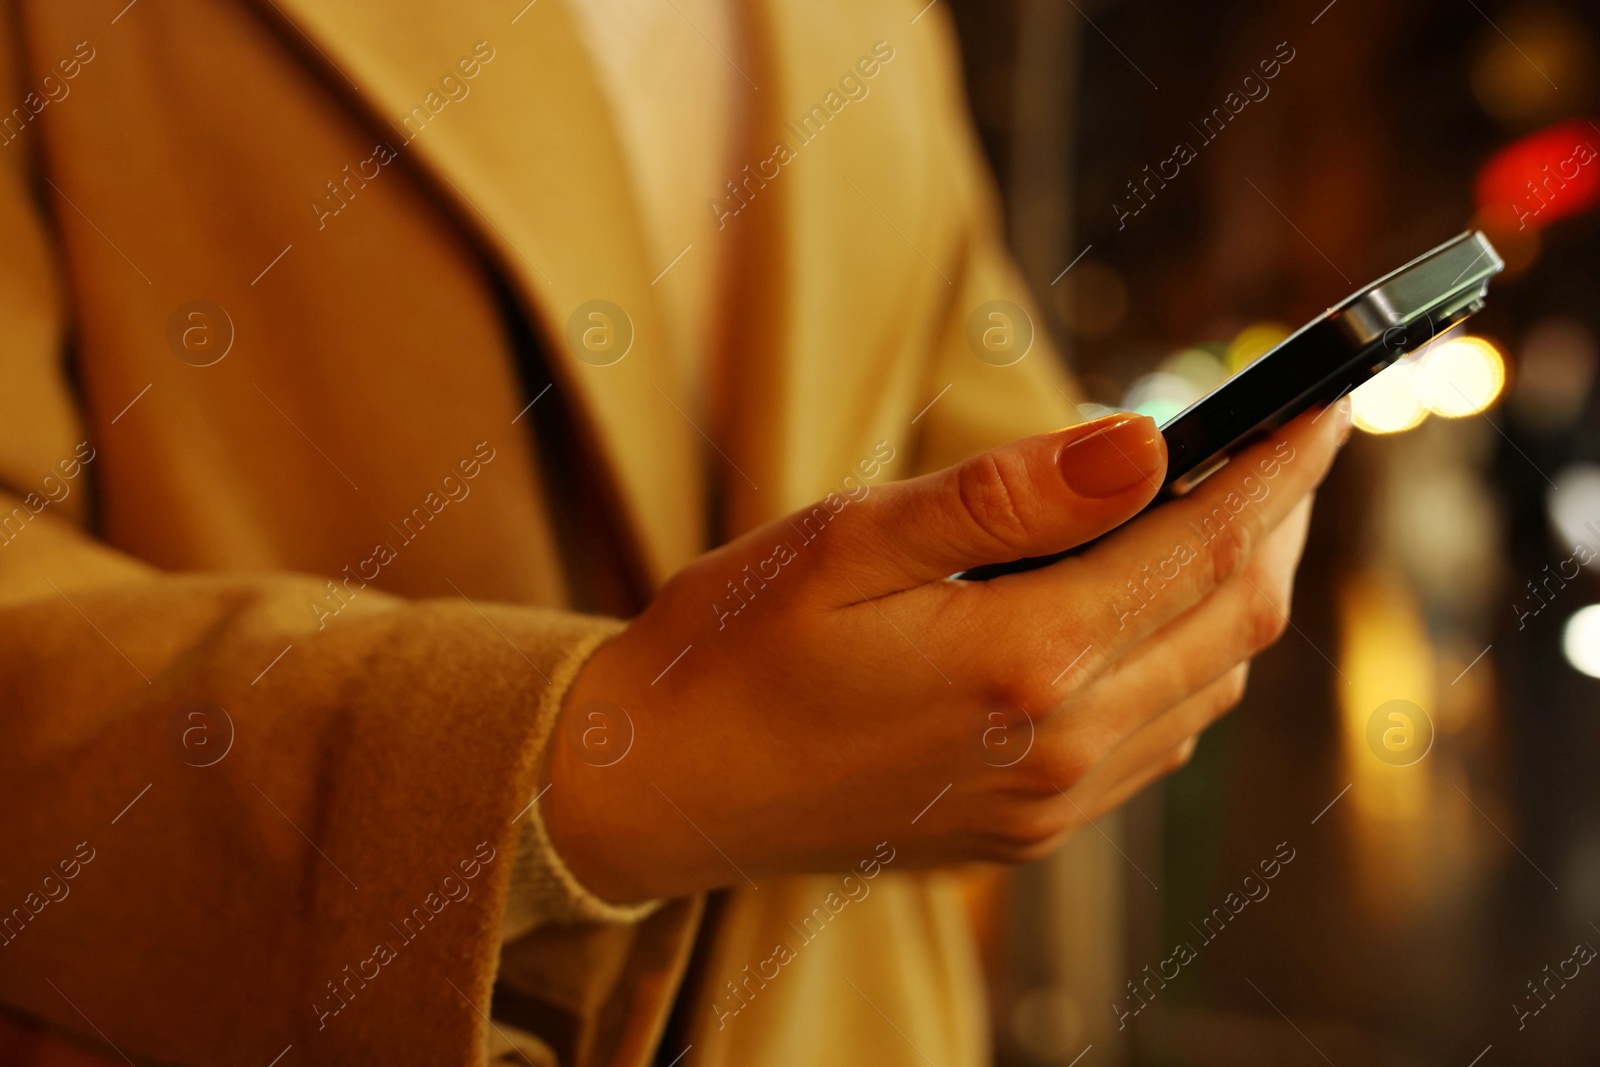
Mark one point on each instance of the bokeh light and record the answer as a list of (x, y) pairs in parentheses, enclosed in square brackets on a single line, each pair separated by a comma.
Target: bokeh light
[(1524, 56), (1198, 367), (1543, 177), (1573, 506), (1459, 376), (1388, 403), (1581, 640), (1554, 375), (1161, 395), (1252, 343)]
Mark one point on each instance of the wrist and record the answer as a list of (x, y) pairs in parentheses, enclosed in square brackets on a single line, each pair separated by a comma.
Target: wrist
[(588, 814)]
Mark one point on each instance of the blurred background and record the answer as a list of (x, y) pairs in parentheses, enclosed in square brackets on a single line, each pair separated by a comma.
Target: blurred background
[(1423, 743)]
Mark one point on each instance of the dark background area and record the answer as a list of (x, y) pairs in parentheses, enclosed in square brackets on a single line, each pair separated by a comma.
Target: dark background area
[(1421, 905)]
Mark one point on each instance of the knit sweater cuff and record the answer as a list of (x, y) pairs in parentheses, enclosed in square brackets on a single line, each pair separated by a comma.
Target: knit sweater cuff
[(543, 888)]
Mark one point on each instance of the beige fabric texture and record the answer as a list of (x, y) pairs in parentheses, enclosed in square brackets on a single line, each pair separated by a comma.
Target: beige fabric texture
[(384, 733)]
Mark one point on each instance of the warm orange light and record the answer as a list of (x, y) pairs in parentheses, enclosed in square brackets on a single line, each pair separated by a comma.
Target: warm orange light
[(1460, 376), (1252, 343), (1388, 403)]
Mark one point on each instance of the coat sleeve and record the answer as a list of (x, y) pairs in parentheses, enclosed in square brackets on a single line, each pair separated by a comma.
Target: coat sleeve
[(227, 833), (989, 401)]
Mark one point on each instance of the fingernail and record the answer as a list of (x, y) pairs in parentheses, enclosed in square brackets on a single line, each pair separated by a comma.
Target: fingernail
[(1115, 453), (1345, 416)]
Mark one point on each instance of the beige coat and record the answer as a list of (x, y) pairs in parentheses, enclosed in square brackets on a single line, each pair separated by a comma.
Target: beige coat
[(227, 782)]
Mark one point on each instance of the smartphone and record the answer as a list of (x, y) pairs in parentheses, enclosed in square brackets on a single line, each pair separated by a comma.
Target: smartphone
[(1315, 366)]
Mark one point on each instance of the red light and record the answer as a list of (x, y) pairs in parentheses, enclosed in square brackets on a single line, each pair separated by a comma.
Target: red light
[(1543, 177)]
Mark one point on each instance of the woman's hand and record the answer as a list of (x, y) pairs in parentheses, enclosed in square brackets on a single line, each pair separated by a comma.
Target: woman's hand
[(862, 696)]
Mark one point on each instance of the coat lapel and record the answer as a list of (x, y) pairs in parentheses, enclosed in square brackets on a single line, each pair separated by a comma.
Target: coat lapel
[(525, 154)]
